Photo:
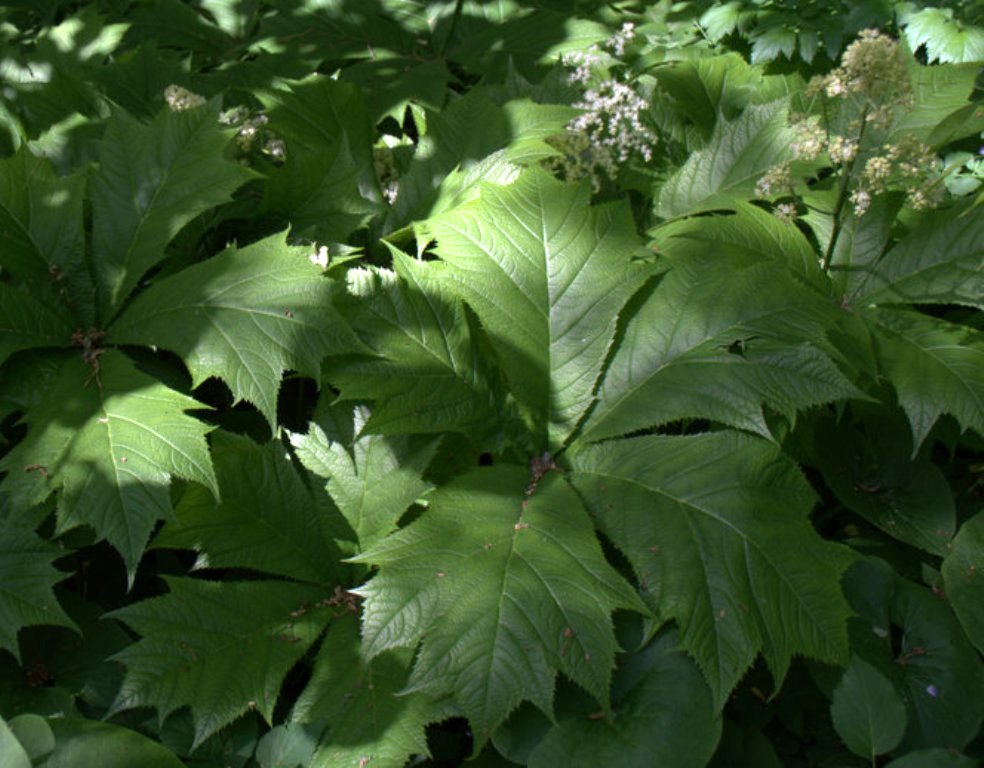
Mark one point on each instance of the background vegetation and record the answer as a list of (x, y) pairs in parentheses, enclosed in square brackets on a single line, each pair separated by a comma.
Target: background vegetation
[(546, 383)]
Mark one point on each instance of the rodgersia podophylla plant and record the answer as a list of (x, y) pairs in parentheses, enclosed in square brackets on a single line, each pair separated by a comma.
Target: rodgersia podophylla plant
[(851, 124), (613, 128)]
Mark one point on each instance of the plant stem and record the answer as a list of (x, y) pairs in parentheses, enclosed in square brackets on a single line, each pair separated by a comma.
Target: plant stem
[(846, 170)]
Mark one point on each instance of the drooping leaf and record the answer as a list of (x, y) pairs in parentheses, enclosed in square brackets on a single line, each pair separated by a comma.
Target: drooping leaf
[(929, 659), (726, 170), (430, 376), (963, 577), (358, 706), (501, 591), (662, 714), (873, 473), (265, 520), (26, 580), (90, 742), (26, 322), (374, 482), (109, 439), (720, 336), (939, 262), (547, 275), (936, 367), (245, 316), (220, 648), (867, 711), (152, 180), (715, 527)]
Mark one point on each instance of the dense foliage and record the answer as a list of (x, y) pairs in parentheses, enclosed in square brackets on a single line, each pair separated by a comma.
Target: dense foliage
[(548, 383)]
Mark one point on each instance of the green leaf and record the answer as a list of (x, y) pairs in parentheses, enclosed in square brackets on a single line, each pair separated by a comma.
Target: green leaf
[(34, 734), (726, 170), (663, 714), (152, 180), (724, 334), (245, 316), (220, 648), (871, 469), (357, 701), (287, 746), (963, 578), (263, 522), (933, 758), (867, 711), (503, 591), (547, 275), (939, 262), (88, 742), (12, 753), (372, 484), (26, 581), (26, 322), (429, 375), (946, 39), (110, 440), (937, 92), (936, 367), (716, 528)]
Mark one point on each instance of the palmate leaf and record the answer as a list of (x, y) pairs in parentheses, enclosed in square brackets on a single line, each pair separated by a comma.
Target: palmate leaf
[(265, 520), (375, 483), (722, 335), (26, 579), (356, 704), (430, 375), (27, 321), (547, 275), (726, 170), (152, 180), (663, 715), (110, 441), (939, 262), (245, 316), (936, 367), (220, 648), (946, 39), (715, 527), (505, 591)]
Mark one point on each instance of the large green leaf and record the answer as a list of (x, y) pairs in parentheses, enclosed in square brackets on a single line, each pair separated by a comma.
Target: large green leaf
[(152, 180), (936, 367), (220, 648), (26, 321), (547, 275), (110, 438), (726, 170), (503, 589), (662, 715), (430, 376), (357, 705), (939, 262), (867, 711), (265, 520), (724, 333), (89, 742), (963, 577), (372, 484), (946, 39), (245, 316), (716, 528), (26, 579)]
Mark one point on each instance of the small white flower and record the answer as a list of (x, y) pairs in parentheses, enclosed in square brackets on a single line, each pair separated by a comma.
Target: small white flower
[(320, 257)]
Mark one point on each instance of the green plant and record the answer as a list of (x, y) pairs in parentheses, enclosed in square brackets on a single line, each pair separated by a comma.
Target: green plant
[(345, 430)]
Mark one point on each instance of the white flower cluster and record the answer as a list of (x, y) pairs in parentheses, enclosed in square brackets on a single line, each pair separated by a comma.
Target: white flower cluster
[(908, 163), (253, 135), (386, 171), (613, 119), (180, 99)]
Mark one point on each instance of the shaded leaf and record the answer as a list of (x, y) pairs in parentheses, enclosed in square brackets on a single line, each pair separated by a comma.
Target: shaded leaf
[(26, 322), (547, 276), (110, 441), (716, 528), (265, 520), (220, 648), (503, 592), (89, 742), (867, 711), (245, 316), (963, 577)]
